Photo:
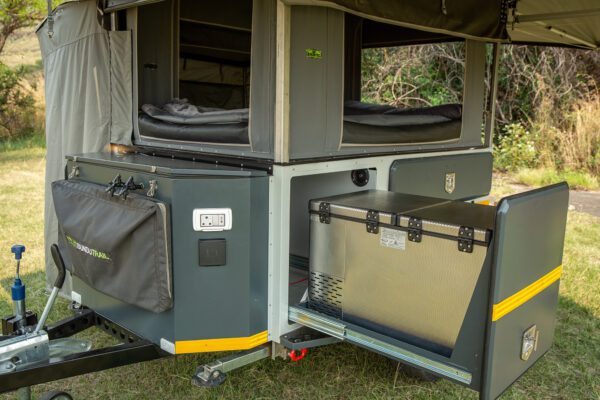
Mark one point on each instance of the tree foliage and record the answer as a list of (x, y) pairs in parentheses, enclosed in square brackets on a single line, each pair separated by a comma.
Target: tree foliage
[(17, 14), (414, 76), (16, 103), (550, 92)]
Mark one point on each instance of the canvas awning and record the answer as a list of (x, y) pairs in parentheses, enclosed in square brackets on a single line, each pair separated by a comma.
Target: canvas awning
[(464, 18), (568, 22)]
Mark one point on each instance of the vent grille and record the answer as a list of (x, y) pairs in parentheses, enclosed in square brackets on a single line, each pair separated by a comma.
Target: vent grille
[(325, 294)]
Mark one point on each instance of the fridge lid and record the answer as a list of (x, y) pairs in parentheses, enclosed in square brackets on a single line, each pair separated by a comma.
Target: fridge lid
[(469, 224), (380, 200)]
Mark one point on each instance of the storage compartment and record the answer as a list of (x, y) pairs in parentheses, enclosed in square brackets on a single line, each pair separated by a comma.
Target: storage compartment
[(217, 227), (401, 265), (456, 177), (450, 287)]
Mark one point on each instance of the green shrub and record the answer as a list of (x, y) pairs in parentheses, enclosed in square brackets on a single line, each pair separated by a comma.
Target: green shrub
[(548, 176), (34, 140), (17, 105), (515, 148)]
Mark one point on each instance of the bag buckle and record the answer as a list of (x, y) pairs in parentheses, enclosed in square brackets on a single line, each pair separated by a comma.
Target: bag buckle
[(128, 186), (113, 185)]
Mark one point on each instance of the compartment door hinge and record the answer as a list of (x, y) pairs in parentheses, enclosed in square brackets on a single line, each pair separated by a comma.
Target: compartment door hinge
[(373, 221), (465, 239), (415, 229), (325, 213)]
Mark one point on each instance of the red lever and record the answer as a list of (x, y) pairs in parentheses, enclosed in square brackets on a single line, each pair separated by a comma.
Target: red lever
[(295, 357)]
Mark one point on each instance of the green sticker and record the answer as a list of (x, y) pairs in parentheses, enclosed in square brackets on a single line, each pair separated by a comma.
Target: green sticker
[(314, 54)]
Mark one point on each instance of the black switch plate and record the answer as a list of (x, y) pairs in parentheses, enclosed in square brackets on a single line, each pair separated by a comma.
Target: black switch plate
[(212, 252)]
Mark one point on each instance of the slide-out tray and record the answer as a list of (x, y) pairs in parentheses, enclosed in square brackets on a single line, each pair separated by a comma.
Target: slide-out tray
[(379, 343)]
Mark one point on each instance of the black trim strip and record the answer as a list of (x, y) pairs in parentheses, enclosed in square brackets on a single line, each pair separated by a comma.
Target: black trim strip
[(267, 164)]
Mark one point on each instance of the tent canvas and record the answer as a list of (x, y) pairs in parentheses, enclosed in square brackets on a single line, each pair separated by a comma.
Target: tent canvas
[(571, 23), (88, 95)]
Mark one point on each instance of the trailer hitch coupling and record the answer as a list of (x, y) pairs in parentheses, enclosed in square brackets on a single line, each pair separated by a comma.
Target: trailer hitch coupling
[(34, 346)]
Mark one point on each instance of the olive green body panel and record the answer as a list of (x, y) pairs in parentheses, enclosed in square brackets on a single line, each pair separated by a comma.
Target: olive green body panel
[(529, 240), (456, 177), (228, 301)]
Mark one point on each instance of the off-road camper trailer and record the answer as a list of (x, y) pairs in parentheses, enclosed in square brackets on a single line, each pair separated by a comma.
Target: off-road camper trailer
[(217, 182)]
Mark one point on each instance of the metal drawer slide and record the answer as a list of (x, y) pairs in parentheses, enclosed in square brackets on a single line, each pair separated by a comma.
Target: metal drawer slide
[(361, 338)]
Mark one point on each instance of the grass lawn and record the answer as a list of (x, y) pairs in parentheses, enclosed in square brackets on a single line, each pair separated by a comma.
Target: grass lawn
[(570, 371), (547, 176)]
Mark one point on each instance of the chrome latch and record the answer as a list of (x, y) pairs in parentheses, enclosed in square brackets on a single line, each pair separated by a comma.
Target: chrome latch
[(74, 172), (530, 342), (153, 188)]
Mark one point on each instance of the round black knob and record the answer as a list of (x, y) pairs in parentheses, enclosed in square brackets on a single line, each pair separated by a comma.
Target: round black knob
[(360, 177)]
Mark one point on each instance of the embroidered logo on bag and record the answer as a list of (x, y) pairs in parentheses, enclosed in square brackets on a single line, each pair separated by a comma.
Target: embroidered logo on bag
[(85, 249)]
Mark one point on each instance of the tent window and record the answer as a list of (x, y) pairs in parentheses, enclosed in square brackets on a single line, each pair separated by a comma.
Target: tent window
[(194, 71), (214, 53), (402, 86), (413, 76)]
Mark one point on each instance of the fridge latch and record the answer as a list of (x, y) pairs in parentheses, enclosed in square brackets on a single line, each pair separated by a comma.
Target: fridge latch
[(415, 229), (465, 239), (373, 221), (325, 213)]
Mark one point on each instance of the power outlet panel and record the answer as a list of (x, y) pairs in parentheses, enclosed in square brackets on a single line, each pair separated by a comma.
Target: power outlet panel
[(212, 219)]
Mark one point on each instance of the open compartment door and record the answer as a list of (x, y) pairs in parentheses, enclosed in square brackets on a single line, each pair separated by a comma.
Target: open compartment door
[(530, 232)]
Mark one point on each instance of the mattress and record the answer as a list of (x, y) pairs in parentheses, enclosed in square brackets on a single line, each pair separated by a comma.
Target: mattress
[(187, 114), (231, 133), (381, 124), (181, 121)]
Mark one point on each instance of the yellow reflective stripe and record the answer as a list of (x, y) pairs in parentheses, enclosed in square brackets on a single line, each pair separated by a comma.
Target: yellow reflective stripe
[(225, 344), (521, 297)]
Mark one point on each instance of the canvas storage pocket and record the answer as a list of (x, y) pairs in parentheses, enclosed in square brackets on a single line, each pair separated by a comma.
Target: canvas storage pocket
[(118, 246)]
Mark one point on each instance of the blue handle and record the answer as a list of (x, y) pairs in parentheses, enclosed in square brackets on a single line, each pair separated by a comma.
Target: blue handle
[(18, 290), (18, 250)]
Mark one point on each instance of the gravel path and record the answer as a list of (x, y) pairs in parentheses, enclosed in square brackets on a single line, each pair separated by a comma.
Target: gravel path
[(587, 202), (579, 200)]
